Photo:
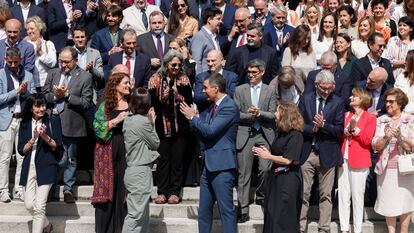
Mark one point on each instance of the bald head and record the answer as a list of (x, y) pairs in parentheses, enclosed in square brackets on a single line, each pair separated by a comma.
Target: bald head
[(377, 78), (12, 28), (215, 61), (120, 69), (242, 18)]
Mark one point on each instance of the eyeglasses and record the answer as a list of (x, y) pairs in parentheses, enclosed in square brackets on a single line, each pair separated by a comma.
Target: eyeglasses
[(65, 62), (240, 20), (175, 65), (183, 5), (390, 101)]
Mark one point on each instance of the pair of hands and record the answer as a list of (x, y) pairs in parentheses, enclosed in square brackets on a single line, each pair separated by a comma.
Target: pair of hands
[(76, 14), (188, 111), (41, 132), (262, 152), (115, 49), (318, 121), (93, 6), (254, 112), (23, 87), (60, 91), (392, 132)]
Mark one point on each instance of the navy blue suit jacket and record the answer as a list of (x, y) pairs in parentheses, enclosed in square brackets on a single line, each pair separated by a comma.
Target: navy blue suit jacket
[(328, 137), (102, 42), (200, 98), (142, 68), (381, 101), (270, 38), (46, 159), (343, 84), (218, 135), (237, 63), (56, 18), (228, 19), (34, 10), (362, 67)]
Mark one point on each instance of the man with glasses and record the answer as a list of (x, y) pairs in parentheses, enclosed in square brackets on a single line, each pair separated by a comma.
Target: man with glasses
[(257, 104), (323, 114), (363, 66), (139, 64), (237, 36), (68, 90), (137, 15)]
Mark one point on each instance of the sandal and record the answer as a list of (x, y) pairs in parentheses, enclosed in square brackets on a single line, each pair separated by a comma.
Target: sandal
[(174, 199), (161, 199)]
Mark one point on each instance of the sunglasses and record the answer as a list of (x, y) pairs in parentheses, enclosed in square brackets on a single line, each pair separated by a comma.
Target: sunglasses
[(175, 65), (390, 101), (183, 5)]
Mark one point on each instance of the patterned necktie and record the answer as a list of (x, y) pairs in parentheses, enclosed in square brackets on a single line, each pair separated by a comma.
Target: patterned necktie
[(320, 107), (144, 18), (241, 42), (213, 112), (159, 46), (128, 63)]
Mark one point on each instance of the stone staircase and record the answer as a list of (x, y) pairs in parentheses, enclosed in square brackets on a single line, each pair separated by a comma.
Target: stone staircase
[(181, 218)]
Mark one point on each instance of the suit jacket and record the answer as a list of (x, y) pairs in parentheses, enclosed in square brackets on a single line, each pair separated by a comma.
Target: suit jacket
[(381, 101), (46, 159), (200, 49), (274, 85), (267, 105), (146, 45), (228, 19), (359, 149), (268, 18), (56, 18), (329, 137), (73, 117), (200, 98), (34, 10), (102, 42), (8, 99), (142, 69), (270, 38), (194, 9), (93, 55), (132, 20), (218, 135), (27, 54), (343, 84), (238, 62), (362, 67)]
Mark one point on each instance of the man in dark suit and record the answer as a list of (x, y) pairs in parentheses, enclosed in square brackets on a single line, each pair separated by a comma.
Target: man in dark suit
[(107, 40), (257, 106), (138, 63), (17, 13), (61, 20), (195, 7), (261, 13), (362, 67), (277, 33), (237, 62), (228, 11), (217, 128), (343, 83), (323, 114), (68, 90), (215, 63), (155, 42)]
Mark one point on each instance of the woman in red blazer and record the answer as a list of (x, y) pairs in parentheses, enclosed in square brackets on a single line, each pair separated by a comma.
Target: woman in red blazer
[(358, 133)]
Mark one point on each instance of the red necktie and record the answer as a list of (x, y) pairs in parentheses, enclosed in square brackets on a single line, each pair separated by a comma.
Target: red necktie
[(241, 42), (128, 63)]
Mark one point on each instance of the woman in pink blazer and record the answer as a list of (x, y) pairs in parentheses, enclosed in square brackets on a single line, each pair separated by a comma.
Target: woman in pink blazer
[(356, 148)]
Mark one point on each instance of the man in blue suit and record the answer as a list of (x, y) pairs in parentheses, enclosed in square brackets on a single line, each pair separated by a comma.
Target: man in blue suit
[(34, 10), (323, 114), (215, 63), (261, 13), (217, 128), (277, 33)]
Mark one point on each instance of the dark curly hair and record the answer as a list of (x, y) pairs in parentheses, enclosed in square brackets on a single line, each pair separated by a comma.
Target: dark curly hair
[(110, 95)]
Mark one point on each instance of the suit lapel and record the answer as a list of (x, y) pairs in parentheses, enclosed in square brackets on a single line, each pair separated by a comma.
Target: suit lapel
[(62, 8), (208, 37), (151, 44), (166, 43), (248, 95), (311, 105), (73, 77), (20, 14), (31, 10), (107, 37), (262, 95)]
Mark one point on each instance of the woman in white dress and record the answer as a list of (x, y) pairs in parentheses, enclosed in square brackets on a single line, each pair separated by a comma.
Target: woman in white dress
[(366, 27), (405, 81), (45, 50), (312, 18), (398, 46), (327, 35)]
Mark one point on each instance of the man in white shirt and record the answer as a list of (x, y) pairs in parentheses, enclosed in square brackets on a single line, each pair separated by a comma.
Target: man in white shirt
[(137, 16)]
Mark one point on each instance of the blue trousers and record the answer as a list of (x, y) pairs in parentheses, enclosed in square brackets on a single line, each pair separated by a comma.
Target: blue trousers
[(69, 162)]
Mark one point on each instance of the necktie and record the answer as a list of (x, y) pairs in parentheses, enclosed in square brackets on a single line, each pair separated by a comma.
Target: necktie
[(213, 111), (159, 47), (128, 63), (255, 102), (241, 42), (144, 18), (60, 105), (320, 107)]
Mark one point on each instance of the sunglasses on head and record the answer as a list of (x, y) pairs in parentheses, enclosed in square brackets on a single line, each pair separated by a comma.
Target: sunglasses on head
[(175, 65)]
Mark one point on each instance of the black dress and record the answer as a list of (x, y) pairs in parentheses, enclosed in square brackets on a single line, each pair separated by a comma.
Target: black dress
[(110, 215), (283, 199)]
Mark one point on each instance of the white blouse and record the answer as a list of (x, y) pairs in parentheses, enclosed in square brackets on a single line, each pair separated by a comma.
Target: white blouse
[(396, 50), (359, 48), (404, 84), (44, 62), (319, 47), (303, 63)]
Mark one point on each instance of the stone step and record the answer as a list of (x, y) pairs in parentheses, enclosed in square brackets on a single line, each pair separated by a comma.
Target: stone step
[(13, 224), (186, 209)]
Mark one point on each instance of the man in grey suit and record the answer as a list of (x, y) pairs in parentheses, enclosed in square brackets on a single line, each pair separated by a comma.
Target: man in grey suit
[(257, 105), (206, 39), (89, 59), (155, 42), (69, 90), (15, 85)]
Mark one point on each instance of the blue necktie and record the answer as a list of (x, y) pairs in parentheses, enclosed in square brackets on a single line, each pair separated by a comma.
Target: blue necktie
[(144, 18)]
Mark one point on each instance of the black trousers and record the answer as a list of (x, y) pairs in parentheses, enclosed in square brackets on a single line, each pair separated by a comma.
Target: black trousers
[(169, 174)]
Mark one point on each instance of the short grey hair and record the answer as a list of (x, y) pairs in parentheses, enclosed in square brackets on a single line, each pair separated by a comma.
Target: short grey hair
[(171, 54), (325, 76), (276, 8), (38, 22), (128, 30), (257, 63), (257, 26), (328, 57)]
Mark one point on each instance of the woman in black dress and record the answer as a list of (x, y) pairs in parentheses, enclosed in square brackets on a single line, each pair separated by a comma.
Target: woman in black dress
[(283, 198)]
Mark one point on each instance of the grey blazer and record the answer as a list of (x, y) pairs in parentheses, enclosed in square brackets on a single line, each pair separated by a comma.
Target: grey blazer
[(141, 140), (80, 89), (202, 43), (93, 55), (267, 105), (274, 85)]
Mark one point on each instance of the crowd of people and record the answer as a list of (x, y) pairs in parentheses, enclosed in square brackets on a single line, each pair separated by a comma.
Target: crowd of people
[(307, 91)]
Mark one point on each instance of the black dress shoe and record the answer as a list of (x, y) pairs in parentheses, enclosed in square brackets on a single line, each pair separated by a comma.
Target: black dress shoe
[(68, 197), (243, 218)]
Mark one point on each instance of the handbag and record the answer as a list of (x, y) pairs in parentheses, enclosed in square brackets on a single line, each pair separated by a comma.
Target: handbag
[(406, 164)]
